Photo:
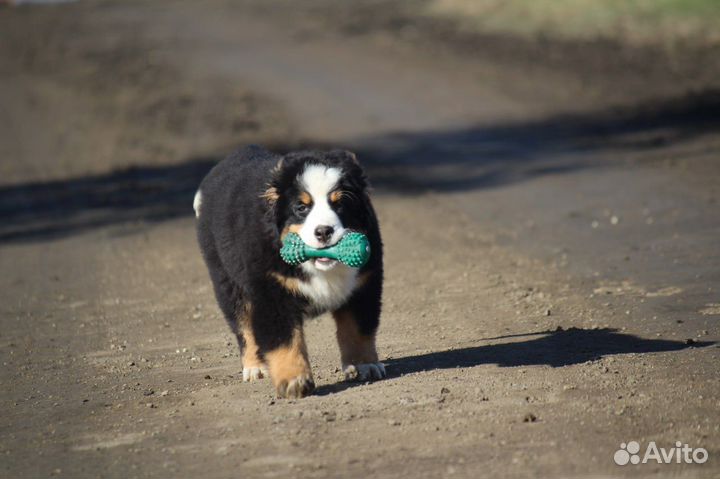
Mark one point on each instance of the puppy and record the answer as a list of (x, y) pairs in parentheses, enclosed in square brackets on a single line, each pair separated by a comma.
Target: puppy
[(244, 208)]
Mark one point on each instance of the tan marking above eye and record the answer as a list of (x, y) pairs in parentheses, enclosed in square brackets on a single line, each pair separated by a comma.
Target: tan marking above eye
[(305, 198), (336, 196)]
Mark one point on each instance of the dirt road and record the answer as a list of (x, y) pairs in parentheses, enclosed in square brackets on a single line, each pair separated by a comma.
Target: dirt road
[(551, 242)]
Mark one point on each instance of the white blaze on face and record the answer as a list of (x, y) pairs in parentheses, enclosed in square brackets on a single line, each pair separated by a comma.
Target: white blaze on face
[(330, 283), (319, 181)]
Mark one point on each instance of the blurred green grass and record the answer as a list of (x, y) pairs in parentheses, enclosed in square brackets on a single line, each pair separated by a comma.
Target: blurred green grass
[(633, 21)]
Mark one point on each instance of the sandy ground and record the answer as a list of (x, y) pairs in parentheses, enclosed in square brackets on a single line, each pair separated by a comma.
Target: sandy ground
[(551, 243)]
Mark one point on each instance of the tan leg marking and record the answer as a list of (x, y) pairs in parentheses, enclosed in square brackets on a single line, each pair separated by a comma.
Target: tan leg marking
[(253, 367), (357, 351), (290, 368)]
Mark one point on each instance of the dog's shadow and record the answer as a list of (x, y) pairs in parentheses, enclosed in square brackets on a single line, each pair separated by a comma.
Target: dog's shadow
[(558, 348)]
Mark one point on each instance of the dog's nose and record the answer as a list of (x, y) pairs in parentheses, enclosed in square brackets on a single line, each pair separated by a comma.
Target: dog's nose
[(323, 233)]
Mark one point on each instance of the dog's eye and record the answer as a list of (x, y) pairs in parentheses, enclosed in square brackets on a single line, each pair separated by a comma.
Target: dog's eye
[(301, 209)]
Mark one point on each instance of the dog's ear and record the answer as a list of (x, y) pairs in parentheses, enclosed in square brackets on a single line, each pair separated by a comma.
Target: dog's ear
[(345, 156), (272, 193), (355, 171), (352, 157), (271, 198)]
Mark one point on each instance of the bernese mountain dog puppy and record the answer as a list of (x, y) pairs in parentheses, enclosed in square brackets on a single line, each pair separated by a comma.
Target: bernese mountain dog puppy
[(245, 206)]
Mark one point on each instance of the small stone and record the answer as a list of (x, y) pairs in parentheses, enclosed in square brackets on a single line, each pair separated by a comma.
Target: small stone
[(165, 393), (529, 417), (394, 422)]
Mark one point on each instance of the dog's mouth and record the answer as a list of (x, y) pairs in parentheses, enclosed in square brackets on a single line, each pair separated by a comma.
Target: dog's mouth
[(324, 263)]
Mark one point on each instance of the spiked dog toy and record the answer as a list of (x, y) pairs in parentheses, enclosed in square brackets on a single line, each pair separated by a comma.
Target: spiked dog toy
[(353, 249)]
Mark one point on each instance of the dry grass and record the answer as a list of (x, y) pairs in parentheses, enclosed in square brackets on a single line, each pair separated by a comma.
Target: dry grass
[(634, 21)]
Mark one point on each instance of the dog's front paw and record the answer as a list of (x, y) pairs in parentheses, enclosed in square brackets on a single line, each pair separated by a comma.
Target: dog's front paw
[(296, 387), (254, 373), (364, 372)]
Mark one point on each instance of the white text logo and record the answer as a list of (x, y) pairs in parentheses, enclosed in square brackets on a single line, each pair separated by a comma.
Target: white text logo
[(681, 453)]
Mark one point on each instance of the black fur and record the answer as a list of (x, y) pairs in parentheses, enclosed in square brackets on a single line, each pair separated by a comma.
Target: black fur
[(239, 231)]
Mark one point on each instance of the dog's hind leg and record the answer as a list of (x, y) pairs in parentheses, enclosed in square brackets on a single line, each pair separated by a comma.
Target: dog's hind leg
[(253, 366), (236, 310)]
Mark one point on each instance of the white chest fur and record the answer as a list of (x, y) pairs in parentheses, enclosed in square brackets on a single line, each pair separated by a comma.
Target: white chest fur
[(328, 290)]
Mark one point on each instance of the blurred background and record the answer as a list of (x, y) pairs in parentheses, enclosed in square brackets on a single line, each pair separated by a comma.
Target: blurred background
[(546, 175)]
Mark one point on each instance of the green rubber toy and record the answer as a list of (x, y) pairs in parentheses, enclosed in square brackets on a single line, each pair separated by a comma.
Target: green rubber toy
[(353, 250)]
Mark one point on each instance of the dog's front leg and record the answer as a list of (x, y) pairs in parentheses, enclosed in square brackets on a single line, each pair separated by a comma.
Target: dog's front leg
[(289, 366), (358, 355)]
